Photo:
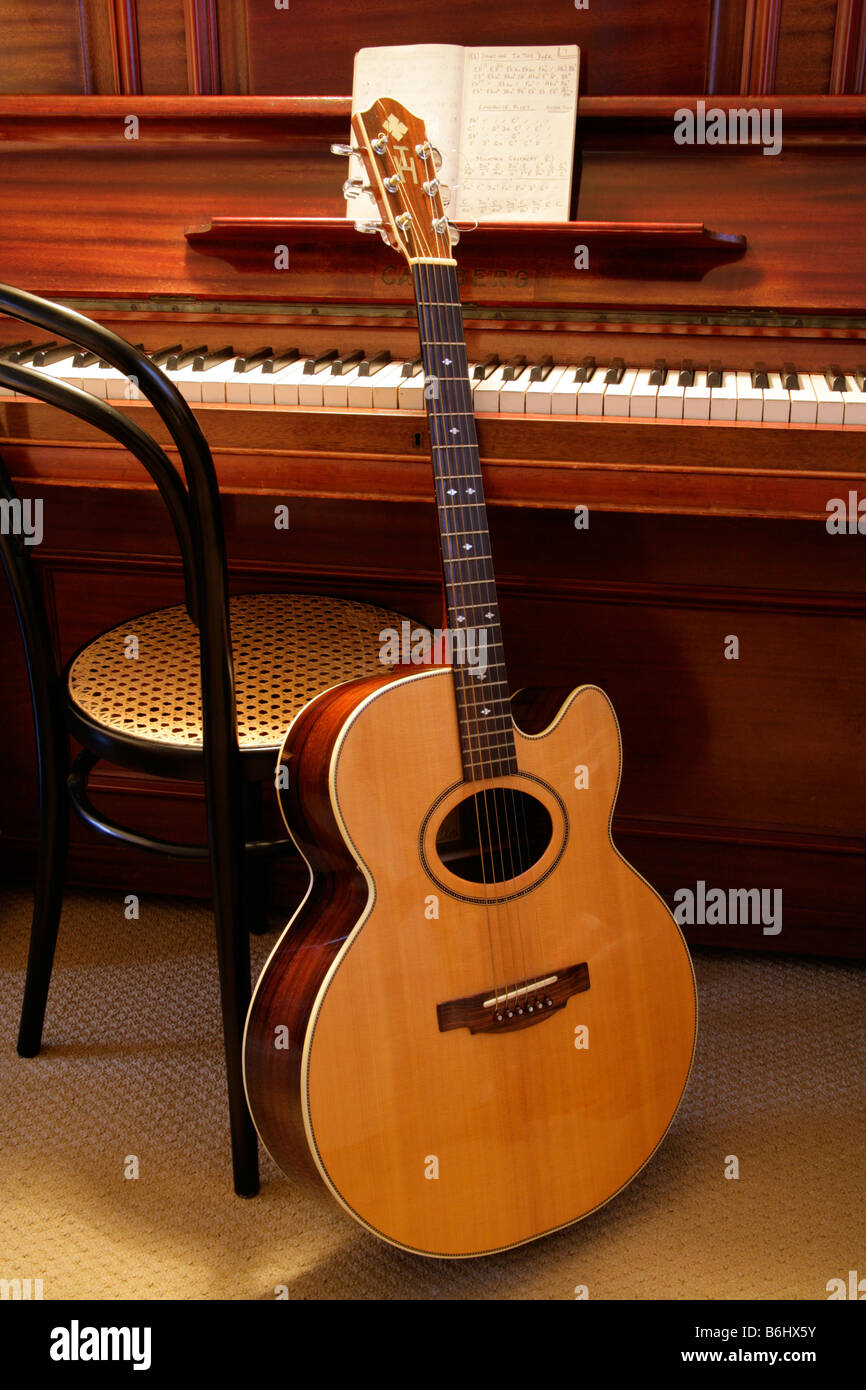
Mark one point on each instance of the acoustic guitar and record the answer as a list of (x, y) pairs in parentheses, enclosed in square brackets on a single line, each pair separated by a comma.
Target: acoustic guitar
[(479, 1024)]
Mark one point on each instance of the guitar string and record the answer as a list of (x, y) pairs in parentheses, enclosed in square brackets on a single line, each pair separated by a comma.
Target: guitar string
[(467, 683), (506, 796), (440, 479), (514, 804), (471, 727)]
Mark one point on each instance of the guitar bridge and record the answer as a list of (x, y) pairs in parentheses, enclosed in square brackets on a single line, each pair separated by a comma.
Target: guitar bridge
[(514, 1006)]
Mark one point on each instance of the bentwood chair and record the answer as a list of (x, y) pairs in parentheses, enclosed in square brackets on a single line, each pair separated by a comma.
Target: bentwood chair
[(210, 695)]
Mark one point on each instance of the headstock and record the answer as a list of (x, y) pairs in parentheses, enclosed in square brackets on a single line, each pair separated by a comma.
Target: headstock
[(401, 168)]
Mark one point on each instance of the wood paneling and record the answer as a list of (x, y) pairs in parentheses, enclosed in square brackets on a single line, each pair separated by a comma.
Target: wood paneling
[(162, 46), (848, 65), (624, 47), (805, 46), (41, 46)]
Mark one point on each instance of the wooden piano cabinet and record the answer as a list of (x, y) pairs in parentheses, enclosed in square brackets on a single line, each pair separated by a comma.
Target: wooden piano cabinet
[(738, 774)]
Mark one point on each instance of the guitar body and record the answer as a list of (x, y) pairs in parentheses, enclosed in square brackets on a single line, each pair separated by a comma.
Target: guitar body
[(440, 1139)]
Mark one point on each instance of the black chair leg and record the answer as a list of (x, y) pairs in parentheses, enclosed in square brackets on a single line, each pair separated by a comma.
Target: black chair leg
[(47, 903), (226, 833)]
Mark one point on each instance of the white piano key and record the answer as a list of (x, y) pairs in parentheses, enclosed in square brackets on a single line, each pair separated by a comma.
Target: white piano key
[(723, 401), (563, 398), (539, 394), (286, 381), (311, 387), (335, 390), (696, 399), (831, 407), (777, 402), (386, 385), (804, 403), (669, 399), (410, 392), (854, 401), (512, 397), (487, 392), (616, 397), (644, 398), (590, 396), (750, 399)]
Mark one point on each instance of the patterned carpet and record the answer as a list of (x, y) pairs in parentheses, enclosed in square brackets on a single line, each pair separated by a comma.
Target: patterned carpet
[(133, 1066)]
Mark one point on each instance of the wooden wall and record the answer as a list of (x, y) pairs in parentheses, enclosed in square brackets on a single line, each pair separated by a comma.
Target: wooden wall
[(173, 47)]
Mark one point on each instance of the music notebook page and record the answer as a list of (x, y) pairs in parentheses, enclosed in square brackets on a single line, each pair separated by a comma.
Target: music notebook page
[(503, 120), (519, 108)]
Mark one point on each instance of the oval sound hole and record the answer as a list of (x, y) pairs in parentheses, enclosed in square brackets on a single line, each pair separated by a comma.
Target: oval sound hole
[(494, 835)]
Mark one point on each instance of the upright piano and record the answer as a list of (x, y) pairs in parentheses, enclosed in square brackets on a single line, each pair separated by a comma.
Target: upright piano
[(671, 412)]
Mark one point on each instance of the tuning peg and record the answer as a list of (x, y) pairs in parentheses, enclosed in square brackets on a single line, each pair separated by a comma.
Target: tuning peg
[(372, 227), (344, 150), (353, 187), (428, 151), (453, 233)]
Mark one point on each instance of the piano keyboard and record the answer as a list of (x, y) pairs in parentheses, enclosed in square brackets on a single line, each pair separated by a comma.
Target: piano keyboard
[(357, 380)]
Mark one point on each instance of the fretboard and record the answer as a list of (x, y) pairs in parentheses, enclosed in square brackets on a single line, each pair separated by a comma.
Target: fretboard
[(472, 607)]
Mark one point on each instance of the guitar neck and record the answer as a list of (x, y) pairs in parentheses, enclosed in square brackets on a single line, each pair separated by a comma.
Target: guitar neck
[(472, 606)]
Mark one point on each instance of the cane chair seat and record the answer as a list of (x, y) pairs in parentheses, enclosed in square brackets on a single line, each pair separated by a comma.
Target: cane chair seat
[(287, 648)]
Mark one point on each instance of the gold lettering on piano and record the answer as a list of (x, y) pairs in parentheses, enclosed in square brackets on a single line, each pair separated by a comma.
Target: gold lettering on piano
[(518, 283)]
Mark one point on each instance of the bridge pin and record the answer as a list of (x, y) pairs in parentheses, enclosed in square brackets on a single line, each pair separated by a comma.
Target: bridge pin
[(498, 1018), (529, 1009), (520, 1010), (549, 1003), (509, 1013)]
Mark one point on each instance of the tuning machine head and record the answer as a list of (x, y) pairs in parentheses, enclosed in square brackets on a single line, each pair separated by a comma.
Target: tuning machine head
[(344, 151), (370, 228), (429, 152), (353, 188)]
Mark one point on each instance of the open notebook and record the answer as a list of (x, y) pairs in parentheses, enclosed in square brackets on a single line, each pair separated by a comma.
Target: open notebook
[(503, 118)]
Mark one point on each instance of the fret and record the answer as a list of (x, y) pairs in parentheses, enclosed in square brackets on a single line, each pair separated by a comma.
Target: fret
[(487, 740)]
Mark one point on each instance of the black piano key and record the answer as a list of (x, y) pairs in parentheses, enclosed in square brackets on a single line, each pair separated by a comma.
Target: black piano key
[(587, 369), (371, 365), (513, 368), (10, 353), (313, 365), (835, 379), (482, 370), (161, 356), (790, 377), (860, 378), (542, 369), (346, 361), (715, 375), (412, 368), (213, 359), (659, 374), (30, 354), (185, 358), (85, 359), (49, 356), (760, 377), (687, 373), (253, 359), (285, 359), (615, 372)]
